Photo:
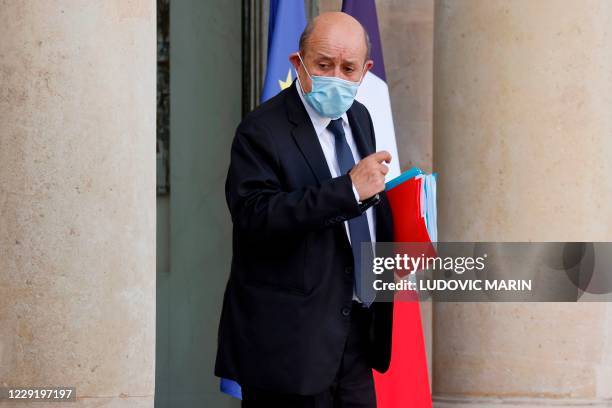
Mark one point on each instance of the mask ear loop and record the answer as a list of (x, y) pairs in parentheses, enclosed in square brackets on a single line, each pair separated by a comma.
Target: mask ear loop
[(305, 70), (303, 65)]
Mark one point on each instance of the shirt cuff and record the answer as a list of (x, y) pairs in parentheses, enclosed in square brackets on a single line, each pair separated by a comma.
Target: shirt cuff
[(356, 194)]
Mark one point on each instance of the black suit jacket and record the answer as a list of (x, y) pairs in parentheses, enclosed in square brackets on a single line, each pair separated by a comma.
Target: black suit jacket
[(283, 325)]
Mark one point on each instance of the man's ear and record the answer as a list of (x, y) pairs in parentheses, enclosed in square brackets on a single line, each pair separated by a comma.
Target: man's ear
[(368, 66), (295, 60), (304, 79)]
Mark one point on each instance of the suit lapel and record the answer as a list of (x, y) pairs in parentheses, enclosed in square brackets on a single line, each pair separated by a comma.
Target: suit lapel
[(306, 139), (362, 140), (305, 136)]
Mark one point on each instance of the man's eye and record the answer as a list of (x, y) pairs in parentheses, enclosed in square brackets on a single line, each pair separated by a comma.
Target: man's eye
[(322, 66)]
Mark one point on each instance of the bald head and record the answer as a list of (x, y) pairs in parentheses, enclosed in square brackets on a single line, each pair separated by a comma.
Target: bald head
[(334, 45), (327, 24)]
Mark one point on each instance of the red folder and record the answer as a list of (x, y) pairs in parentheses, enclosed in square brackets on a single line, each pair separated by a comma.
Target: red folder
[(406, 383)]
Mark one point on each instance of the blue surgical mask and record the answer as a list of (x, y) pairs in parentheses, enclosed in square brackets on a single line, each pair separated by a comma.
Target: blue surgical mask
[(330, 96)]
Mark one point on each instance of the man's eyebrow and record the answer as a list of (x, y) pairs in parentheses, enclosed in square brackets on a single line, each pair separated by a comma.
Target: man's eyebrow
[(349, 61), (322, 55), (353, 62)]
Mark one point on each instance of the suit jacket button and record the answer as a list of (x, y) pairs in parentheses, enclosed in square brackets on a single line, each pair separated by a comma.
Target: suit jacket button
[(346, 311), (348, 270)]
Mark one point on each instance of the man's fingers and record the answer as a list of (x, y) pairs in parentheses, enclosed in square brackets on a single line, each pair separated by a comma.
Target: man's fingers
[(382, 156), (383, 169)]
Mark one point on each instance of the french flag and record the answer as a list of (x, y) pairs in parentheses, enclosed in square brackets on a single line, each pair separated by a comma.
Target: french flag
[(406, 383), (373, 91)]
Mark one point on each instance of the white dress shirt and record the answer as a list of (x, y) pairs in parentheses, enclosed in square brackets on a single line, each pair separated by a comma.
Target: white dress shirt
[(326, 139)]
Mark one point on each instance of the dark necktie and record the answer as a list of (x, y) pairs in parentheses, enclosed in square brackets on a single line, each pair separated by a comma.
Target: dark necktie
[(358, 226)]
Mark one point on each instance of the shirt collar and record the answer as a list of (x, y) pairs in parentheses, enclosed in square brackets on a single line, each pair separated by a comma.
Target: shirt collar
[(318, 122)]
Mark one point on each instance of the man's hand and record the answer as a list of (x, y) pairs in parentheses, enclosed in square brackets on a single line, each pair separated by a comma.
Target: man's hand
[(368, 176)]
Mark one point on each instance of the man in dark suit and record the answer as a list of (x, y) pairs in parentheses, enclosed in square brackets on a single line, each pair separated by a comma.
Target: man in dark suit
[(299, 325)]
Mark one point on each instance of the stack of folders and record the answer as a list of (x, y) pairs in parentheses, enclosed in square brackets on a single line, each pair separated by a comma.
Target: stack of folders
[(412, 197)]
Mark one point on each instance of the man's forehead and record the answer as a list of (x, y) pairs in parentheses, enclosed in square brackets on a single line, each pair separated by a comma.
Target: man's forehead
[(343, 56)]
